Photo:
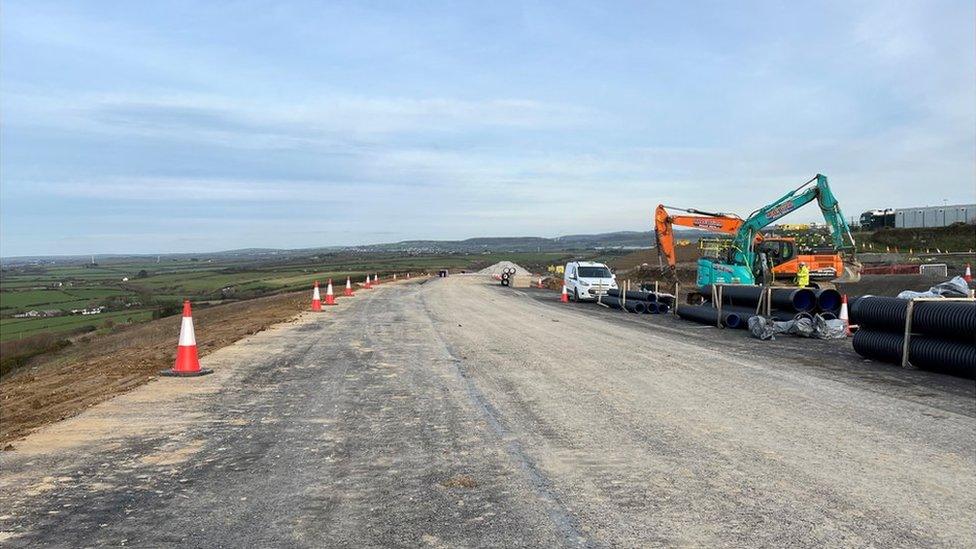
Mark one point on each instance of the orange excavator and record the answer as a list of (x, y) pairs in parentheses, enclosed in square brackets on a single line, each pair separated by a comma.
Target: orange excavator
[(780, 252)]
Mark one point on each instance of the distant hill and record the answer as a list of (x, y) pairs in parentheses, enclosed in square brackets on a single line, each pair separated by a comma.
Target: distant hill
[(622, 240)]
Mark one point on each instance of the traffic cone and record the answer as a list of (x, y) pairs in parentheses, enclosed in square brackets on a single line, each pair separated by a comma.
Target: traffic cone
[(844, 316), (540, 283), (367, 285), (394, 276), (376, 279), (408, 276), (187, 364), (316, 298), (968, 277), (565, 297), (348, 292), (329, 296)]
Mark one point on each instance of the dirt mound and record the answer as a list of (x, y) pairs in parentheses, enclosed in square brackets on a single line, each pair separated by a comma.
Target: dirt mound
[(499, 267), (888, 285), (94, 369)]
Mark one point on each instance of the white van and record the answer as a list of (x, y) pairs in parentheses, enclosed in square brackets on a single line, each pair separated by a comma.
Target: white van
[(588, 279)]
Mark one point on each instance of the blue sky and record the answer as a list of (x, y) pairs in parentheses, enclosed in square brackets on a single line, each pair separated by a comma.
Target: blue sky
[(194, 126)]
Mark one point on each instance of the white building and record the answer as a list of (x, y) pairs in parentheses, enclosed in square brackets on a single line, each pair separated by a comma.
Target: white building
[(935, 216)]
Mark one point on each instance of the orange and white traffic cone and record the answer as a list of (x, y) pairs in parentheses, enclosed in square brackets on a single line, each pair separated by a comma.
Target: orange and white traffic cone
[(844, 316), (316, 298), (348, 291), (408, 276), (565, 297), (367, 285), (376, 279), (540, 283), (329, 296), (394, 277), (187, 364), (968, 277)]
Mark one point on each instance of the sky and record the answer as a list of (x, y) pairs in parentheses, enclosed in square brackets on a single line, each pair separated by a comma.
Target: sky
[(154, 127)]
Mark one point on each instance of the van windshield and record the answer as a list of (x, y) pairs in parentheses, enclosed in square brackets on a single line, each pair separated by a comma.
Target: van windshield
[(594, 272)]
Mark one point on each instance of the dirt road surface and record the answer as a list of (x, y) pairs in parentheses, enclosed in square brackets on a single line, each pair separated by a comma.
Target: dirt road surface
[(457, 413)]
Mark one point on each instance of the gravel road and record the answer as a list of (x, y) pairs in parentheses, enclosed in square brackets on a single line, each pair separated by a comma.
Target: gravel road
[(459, 413)]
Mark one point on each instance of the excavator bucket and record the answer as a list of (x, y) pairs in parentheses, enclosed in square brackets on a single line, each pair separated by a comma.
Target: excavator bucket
[(852, 271)]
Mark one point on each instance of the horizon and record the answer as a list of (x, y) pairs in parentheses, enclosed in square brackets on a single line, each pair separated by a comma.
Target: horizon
[(318, 248), (348, 125)]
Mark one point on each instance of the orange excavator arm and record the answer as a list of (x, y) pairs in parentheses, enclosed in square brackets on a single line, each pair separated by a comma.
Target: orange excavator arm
[(664, 227)]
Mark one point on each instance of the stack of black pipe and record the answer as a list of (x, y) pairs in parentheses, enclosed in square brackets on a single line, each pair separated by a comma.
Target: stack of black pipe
[(638, 301), (739, 303), (508, 275), (943, 333)]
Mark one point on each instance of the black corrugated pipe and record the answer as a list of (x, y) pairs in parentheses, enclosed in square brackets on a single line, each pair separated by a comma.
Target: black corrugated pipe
[(706, 314), (828, 300), (633, 294), (663, 307), (786, 299), (951, 319), (931, 353), (612, 302), (643, 296), (746, 312), (636, 306)]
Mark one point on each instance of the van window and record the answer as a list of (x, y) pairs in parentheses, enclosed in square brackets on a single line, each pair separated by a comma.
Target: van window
[(594, 272)]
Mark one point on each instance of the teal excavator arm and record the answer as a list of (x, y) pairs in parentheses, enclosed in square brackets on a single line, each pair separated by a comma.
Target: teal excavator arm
[(815, 189)]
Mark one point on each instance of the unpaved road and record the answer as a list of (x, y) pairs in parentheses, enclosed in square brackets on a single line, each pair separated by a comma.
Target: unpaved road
[(457, 413)]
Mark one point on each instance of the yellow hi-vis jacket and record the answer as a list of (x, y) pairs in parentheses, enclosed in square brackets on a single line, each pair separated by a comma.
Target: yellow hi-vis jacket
[(803, 276)]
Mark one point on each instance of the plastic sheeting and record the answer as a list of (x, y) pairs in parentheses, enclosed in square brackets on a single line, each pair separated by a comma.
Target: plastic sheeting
[(956, 287), (803, 325)]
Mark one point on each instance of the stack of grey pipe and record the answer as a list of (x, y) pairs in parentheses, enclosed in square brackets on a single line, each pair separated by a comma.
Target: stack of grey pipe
[(638, 301), (943, 333), (508, 275), (739, 303)]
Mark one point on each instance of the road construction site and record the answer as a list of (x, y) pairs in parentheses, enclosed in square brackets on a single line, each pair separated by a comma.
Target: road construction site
[(456, 412)]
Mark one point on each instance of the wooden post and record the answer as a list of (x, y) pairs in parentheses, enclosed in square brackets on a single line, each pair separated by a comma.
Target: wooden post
[(718, 320), (674, 310), (906, 344)]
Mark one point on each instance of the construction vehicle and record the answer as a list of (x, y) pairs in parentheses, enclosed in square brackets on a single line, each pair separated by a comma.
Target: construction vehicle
[(781, 251), (748, 262), (769, 259)]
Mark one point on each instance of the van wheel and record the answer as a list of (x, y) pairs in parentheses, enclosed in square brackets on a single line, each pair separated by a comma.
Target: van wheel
[(576, 295)]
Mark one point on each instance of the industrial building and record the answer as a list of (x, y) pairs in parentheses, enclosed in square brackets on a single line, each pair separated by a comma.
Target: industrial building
[(912, 218), (935, 216)]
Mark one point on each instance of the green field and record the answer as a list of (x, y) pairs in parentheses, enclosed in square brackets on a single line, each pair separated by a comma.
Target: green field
[(15, 328), (165, 284)]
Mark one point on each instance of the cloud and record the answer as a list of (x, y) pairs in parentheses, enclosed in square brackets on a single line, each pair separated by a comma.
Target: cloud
[(311, 121), (196, 189)]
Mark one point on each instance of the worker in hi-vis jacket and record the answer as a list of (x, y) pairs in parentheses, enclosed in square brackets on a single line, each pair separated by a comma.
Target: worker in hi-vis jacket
[(803, 275)]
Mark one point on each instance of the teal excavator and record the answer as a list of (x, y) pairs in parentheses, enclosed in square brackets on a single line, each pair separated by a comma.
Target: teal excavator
[(745, 265)]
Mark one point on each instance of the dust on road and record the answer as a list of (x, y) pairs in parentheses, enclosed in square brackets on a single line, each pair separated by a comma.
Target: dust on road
[(457, 412)]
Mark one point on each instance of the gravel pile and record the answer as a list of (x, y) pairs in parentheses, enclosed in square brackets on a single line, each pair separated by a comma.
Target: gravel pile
[(500, 267)]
